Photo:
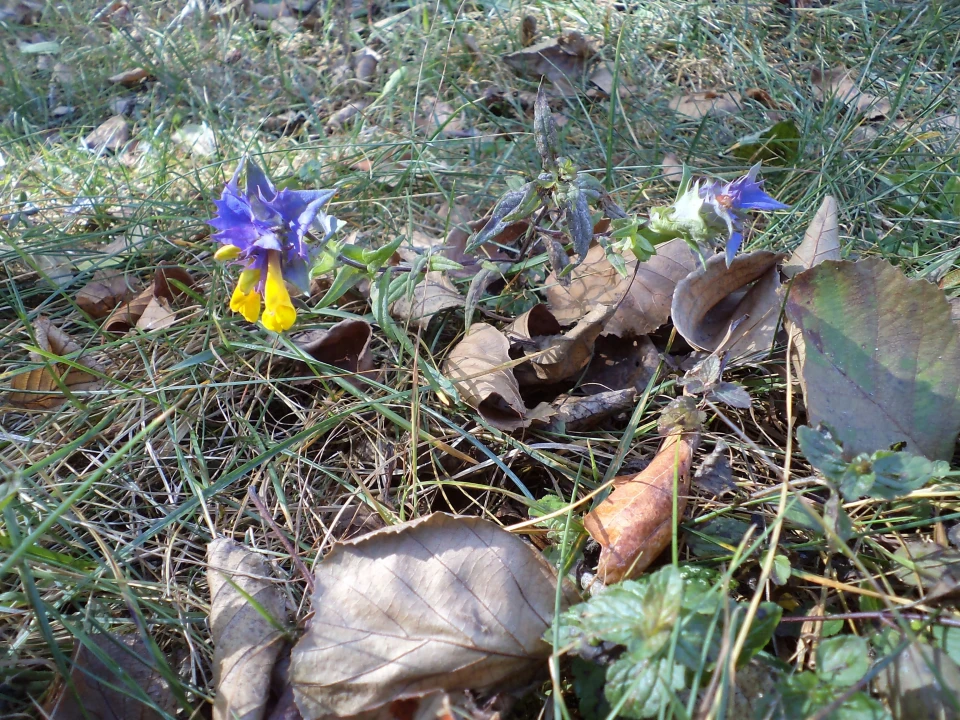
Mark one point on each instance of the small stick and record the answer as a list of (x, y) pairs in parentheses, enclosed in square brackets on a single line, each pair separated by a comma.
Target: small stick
[(264, 513), (874, 615)]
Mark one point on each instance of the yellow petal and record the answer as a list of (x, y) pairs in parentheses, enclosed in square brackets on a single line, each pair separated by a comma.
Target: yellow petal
[(280, 313), (227, 253), (245, 299)]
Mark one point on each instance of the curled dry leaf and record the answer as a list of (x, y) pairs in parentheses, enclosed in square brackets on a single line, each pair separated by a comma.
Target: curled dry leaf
[(882, 357), (434, 294), (137, 692), (245, 643), (840, 83), (130, 78), (365, 65), (584, 412), (345, 345), (106, 290), (437, 604), (697, 106), (821, 241), (714, 298), (635, 522), (642, 298), (111, 135), (562, 60), (166, 287), (39, 388), (157, 315), (555, 357), (475, 366)]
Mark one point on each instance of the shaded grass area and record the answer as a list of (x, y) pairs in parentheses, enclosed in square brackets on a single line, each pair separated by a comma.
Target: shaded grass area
[(109, 501)]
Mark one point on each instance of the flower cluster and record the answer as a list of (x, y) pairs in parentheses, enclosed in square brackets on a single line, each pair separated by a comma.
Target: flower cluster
[(711, 206), (264, 230)]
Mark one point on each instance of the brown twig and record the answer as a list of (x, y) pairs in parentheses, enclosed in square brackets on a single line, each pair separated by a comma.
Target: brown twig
[(874, 615), (288, 546)]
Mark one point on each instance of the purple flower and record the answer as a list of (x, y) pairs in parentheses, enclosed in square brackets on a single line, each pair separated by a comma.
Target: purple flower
[(728, 203), (264, 230)]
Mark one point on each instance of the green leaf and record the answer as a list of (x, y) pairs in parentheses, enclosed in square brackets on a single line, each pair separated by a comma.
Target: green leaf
[(761, 630), (661, 607), (558, 525), (507, 204), (882, 357), (439, 262), (900, 473), (579, 222), (545, 131), (644, 687), (822, 451), (948, 639), (588, 683), (842, 660), (781, 569), (921, 682), (614, 615), (860, 706), (705, 540), (376, 259), (346, 278)]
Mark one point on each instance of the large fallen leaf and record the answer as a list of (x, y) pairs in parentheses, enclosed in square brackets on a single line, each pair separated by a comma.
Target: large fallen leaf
[(437, 604), (821, 241), (562, 60), (475, 367), (882, 361), (128, 686), (157, 315), (434, 294), (697, 106), (345, 345), (106, 290), (840, 83), (197, 140), (922, 682), (39, 388), (713, 298), (556, 357), (635, 522), (246, 643), (648, 289)]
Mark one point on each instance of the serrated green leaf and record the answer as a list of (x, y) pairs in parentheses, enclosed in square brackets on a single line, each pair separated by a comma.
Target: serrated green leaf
[(662, 602), (643, 687), (842, 660)]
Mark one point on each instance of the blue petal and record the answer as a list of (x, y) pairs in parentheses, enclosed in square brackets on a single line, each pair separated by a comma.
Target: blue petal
[(752, 197), (259, 184), (296, 272), (733, 244), (232, 185), (299, 209)]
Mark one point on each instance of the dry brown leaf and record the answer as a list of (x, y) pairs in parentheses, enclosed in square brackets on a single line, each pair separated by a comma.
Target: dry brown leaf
[(345, 114), (711, 299), (841, 84), (245, 643), (820, 242), (474, 366), (106, 290), (111, 135), (562, 60), (365, 65), (39, 388), (585, 412), (157, 315), (437, 115), (697, 106), (672, 168), (635, 522), (555, 357), (345, 345), (761, 96), (434, 294), (165, 287), (648, 293), (437, 604), (106, 695), (619, 364), (130, 78)]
